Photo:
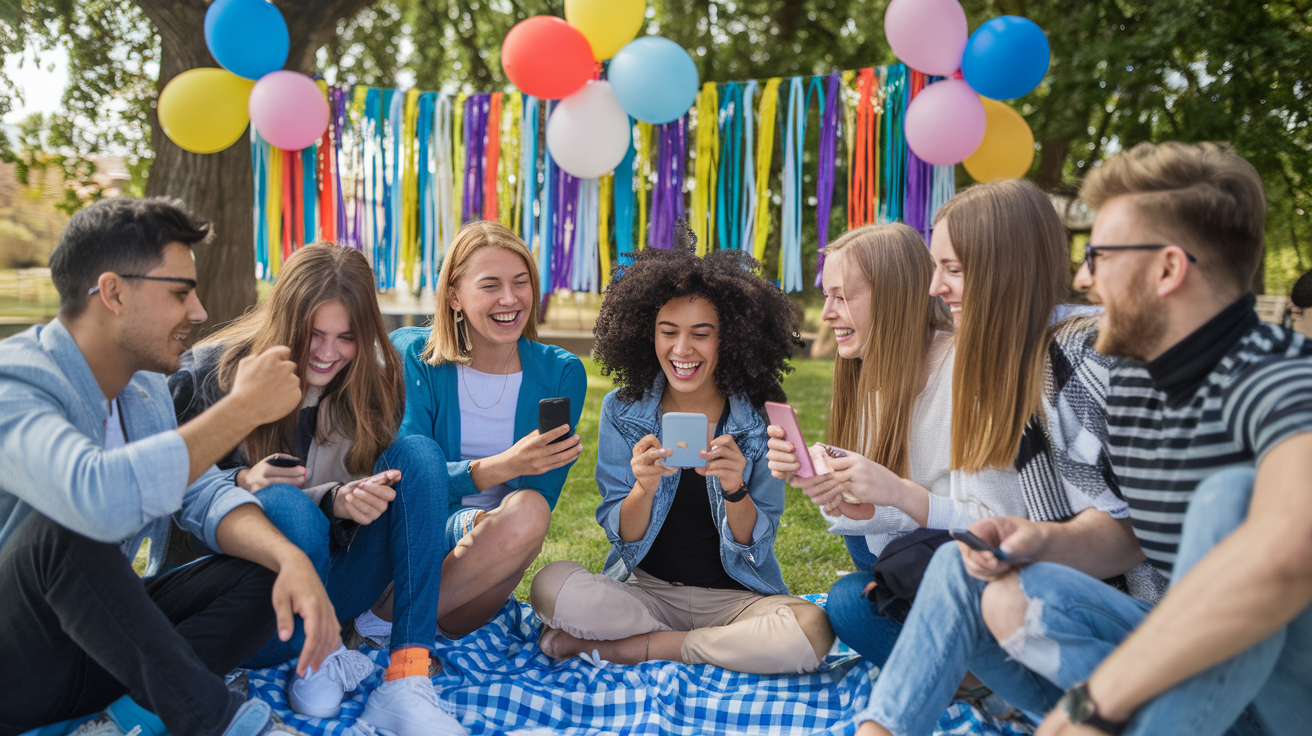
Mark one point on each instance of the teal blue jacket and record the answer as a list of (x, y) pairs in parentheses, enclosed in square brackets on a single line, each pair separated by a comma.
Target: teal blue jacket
[(432, 405)]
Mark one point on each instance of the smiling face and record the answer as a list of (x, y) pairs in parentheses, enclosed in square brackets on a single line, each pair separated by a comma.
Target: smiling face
[(158, 315), (332, 344), (688, 343), (949, 280), (847, 304), (1134, 319), (496, 296)]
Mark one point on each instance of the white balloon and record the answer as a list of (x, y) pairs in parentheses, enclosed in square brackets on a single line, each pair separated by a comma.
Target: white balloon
[(588, 133)]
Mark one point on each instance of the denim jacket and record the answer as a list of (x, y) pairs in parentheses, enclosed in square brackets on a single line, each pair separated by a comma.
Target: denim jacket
[(53, 458), (623, 424)]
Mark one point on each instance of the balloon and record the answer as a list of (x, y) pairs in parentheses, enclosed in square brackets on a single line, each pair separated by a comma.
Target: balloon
[(289, 110), (929, 35), (1008, 147), (204, 110), (588, 133), (654, 79), (607, 24), (945, 122), (247, 37), (1006, 58), (546, 57)]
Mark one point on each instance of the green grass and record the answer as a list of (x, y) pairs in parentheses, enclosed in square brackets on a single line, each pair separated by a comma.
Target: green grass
[(810, 556)]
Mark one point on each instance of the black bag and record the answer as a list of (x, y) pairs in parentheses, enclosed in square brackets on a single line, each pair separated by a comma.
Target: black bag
[(900, 568)]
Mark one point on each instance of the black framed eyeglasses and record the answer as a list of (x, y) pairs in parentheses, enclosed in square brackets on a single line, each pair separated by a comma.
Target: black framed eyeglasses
[(190, 283), (1091, 251)]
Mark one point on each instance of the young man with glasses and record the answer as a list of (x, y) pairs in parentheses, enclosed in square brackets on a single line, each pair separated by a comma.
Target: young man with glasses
[(1210, 430), (92, 462)]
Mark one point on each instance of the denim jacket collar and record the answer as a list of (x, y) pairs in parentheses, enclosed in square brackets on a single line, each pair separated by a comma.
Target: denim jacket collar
[(643, 417)]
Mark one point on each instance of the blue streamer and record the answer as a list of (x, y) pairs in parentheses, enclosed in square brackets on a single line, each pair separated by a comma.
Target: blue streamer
[(790, 249), (624, 204), (528, 168)]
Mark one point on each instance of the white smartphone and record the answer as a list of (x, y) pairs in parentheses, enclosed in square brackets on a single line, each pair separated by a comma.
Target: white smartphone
[(685, 435)]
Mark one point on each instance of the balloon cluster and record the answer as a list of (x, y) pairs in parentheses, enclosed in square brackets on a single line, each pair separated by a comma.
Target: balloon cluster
[(651, 79), (959, 120), (206, 110)]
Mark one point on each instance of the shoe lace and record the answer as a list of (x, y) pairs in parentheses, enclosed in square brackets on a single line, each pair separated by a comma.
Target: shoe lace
[(423, 687), (349, 668)]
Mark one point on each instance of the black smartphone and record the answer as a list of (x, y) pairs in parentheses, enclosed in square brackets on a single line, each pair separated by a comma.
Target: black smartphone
[(979, 545), (551, 414), (285, 461)]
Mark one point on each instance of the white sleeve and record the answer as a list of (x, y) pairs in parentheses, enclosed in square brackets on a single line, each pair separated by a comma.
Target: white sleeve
[(990, 492)]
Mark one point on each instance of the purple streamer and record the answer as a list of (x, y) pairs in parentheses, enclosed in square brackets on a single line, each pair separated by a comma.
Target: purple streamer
[(477, 108), (667, 198), (566, 228), (824, 187)]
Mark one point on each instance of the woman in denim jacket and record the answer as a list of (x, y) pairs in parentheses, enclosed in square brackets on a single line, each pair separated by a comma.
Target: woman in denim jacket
[(691, 576)]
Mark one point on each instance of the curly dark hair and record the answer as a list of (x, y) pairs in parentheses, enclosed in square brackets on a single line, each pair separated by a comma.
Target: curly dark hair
[(758, 324)]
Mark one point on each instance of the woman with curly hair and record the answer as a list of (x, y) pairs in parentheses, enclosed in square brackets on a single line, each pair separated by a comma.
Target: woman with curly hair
[(691, 576)]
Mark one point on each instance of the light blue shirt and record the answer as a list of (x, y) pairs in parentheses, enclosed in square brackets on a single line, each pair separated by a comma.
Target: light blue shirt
[(53, 458)]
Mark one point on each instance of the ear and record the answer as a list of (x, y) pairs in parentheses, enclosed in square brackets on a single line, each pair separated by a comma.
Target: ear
[(452, 300), (1173, 268), (110, 292)]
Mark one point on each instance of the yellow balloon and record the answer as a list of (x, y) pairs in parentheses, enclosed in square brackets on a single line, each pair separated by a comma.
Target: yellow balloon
[(607, 24), (204, 110), (1008, 147)]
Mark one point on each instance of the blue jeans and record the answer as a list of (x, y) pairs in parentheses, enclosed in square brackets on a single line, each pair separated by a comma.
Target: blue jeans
[(856, 619), (862, 557), (405, 546), (1079, 622)]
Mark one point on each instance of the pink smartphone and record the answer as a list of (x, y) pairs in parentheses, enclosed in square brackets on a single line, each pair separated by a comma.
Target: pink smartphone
[(783, 416)]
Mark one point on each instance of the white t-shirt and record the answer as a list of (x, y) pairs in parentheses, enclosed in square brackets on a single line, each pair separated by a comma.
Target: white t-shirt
[(114, 438), (956, 498), (487, 432)]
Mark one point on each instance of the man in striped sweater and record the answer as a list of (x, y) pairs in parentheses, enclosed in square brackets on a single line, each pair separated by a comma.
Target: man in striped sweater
[(1210, 427)]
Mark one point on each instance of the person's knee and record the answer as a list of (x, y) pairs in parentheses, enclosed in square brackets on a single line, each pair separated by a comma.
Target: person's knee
[(814, 623), (847, 602), (298, 518), (547, 586), (530, 515), (1003, 605)]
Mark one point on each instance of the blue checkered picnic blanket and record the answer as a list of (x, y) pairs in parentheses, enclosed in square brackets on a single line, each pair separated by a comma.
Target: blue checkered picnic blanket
[(497, 681)]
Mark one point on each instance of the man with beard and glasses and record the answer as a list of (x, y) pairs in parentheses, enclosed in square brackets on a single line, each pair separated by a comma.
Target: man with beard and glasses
[(92, 462), (1210, 428)]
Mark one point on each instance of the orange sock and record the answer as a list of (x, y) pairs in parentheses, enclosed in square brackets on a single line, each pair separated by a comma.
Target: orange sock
[(408, 662)]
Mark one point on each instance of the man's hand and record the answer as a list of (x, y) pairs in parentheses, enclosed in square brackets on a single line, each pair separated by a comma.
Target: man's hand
[(1019, 538), (262, 475), (724, 461), (266, 385), (298, 590), (363, 501)]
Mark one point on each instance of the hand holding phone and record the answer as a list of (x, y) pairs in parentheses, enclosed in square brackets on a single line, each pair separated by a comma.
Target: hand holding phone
[(684, 435), (820, 453), (784, 417), (979, 545), (284, 461), (553, 413)]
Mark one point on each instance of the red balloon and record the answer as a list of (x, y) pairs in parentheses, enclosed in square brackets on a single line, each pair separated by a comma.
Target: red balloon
[(546, 57)]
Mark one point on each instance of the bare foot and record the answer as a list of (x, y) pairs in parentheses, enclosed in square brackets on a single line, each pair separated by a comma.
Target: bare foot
[(559, 645)]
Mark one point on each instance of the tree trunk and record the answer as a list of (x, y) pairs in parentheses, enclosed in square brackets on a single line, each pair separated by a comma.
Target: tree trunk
[(218, 187)]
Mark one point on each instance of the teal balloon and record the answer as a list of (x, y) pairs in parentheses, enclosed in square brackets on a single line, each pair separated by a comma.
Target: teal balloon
[(247, 37), (654, 80), (1006, 58)]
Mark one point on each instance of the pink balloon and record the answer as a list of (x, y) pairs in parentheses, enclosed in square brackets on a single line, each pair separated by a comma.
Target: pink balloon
[(945, 122), (289, 110), (928, 35)]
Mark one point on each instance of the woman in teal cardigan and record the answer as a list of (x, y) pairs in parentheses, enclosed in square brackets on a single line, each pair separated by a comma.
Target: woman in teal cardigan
[(473, 383)]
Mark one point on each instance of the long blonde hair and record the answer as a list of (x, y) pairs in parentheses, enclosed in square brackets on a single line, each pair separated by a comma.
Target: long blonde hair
[(447, 339), (878, 390), (1013, 252), (364, 401)]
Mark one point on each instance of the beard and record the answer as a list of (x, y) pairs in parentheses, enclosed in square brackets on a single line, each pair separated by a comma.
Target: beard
[(148, 352), (1135, 326)]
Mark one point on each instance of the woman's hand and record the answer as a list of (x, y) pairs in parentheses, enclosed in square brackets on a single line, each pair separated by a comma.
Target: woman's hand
[(262, 475), (867, 480), (535, 455), (724, 461), (782, 457), (363, 501), (648, 464)]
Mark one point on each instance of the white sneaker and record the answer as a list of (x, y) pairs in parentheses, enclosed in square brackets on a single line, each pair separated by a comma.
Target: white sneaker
[(409, 707), (319, 693)]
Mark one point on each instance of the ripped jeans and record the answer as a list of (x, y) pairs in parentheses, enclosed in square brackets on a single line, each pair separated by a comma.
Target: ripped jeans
[(1074, 621)]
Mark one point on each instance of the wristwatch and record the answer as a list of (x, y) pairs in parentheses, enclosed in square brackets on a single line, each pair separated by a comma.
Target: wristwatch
[(1081, 709), (734, 497)]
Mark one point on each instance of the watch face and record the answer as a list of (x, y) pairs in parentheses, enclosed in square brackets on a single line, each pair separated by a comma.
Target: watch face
[(1078, 706)]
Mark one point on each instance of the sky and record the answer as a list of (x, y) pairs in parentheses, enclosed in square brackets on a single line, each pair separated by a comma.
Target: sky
[(42, 85)]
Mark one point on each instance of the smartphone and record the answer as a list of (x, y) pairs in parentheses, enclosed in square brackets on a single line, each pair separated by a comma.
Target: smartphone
[(783, 416), (551, 414), (685, 434), (822, 467), (979, 545), (285, 461)]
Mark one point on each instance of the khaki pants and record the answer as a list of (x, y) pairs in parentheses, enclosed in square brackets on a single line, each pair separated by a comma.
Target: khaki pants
[(734, 629)]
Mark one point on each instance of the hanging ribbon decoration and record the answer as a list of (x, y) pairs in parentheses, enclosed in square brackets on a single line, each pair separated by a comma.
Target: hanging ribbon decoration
[(728, 199), (824, 182), (646, 135), (702, 212), (790, 236), (667, 201), (623, 192), (919, 179), (747, 228), (764, 159)]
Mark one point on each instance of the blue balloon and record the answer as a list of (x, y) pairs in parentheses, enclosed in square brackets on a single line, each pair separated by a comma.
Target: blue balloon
[(247, 37), (654, 80), (1006, 58)]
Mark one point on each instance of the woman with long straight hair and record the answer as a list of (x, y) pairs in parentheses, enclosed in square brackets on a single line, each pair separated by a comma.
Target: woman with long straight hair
[(366, 507), (473, 385)]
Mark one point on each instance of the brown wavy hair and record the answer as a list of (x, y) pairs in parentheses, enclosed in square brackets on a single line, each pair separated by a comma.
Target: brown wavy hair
[(879, 389), (1015, 261), (365, 400)]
